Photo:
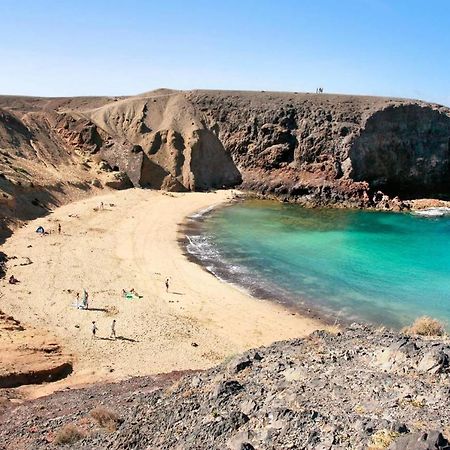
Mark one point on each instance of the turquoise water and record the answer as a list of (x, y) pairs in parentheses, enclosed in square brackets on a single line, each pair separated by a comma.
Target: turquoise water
[(386, 268)]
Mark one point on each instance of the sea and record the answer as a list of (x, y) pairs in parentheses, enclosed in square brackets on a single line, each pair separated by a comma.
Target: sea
[(341, 265)]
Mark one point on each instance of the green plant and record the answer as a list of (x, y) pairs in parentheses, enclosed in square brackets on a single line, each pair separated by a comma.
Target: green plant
[(20, 170)]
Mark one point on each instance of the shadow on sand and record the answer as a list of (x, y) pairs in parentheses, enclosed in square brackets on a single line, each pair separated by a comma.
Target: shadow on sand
[(118, 338)]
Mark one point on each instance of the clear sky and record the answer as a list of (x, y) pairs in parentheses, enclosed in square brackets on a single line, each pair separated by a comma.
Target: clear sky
[(109, 47)]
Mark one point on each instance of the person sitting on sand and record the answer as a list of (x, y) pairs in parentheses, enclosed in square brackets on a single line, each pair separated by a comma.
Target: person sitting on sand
[(13, 280), (94, 329)]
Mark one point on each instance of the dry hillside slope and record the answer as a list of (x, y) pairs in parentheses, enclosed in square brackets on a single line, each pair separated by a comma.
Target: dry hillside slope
[(310, 148)]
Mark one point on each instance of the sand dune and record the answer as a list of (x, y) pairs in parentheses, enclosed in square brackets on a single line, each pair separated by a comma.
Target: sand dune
[(133, 244)]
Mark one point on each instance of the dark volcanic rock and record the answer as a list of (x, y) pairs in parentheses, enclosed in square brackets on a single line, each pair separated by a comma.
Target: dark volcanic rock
[(332, 149), (316, 149), (358, 389), (421, 441)]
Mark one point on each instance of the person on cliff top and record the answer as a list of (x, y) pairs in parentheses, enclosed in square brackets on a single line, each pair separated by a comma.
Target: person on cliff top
[(94, 329)]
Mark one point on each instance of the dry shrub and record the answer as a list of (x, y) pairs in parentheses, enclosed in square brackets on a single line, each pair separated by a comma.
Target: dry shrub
[(382, 439), (68, 434), (105, 418), (426, 326)]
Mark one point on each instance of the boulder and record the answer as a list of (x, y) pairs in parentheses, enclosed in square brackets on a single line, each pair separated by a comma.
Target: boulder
[(432, 440), (118, 180)]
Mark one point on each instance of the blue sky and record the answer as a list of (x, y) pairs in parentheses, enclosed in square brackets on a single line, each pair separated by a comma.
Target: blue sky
[(78, 47)]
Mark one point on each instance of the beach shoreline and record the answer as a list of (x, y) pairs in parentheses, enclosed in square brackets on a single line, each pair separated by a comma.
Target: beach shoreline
[(192, 227), (133, 242)]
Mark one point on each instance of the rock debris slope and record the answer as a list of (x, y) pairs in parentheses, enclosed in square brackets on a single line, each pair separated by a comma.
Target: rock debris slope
[(359, 389), (351, 390)]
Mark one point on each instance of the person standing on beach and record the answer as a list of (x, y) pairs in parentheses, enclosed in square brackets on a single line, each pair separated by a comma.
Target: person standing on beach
[(167, 285), (94, 329), (59, 228), (113, 329)]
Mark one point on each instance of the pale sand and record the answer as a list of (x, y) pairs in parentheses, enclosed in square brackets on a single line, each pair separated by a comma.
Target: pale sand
[(134, 245)]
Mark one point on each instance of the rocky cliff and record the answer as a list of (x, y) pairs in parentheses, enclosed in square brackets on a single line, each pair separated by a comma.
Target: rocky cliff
[(358, 389), (309, 148), (332, 148)]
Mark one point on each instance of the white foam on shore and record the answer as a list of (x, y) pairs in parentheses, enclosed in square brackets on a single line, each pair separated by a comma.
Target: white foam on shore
[(202, 212), (432, 212)]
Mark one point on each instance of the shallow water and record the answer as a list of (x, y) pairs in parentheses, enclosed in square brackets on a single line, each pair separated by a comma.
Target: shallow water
[(385, 268)]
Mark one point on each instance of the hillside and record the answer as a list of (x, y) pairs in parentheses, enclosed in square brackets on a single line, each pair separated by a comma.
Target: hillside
[(309, 148), (359, 389)]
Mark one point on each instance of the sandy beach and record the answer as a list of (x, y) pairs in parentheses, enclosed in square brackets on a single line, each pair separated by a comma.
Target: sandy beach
[(132, 243)]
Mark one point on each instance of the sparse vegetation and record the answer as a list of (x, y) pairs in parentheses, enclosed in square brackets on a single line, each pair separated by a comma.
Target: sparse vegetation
[(382, 439), (105, 418), (426, 326), (21, 170), (68, 434)]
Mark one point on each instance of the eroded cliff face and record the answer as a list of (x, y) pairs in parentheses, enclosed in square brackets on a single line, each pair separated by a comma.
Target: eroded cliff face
[(314, 149), (330, 149), (57, 150), (404, 150)]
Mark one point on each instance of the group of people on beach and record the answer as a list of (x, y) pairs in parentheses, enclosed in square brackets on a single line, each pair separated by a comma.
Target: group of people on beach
[(113, 335), (83, 302), (41, 231)]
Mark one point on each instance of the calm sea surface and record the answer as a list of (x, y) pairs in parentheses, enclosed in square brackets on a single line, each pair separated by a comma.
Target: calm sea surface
[(385, 268)]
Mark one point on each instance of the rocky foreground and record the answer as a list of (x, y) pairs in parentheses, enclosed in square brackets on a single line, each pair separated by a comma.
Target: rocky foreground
[(358, 389)]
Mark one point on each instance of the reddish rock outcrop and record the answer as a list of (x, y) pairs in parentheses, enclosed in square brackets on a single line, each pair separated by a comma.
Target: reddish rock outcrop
[(29, 356)]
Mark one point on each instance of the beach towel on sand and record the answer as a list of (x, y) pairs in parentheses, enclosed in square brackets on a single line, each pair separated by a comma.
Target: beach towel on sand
[(131, 295)]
